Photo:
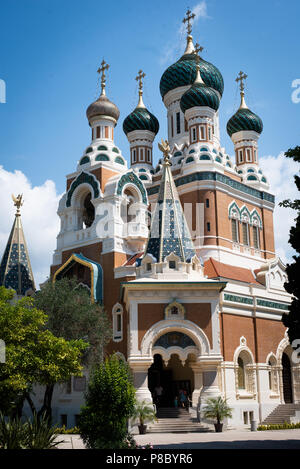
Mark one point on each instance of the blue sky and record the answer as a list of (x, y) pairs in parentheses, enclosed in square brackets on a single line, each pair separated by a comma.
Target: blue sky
[(51, 49)]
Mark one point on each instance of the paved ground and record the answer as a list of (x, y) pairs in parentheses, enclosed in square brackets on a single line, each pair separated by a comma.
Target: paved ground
[(230, 439)]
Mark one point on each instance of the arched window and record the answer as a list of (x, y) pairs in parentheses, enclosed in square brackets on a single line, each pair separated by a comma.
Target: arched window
[(117, 316), (255, 231), (235, 230), (241, 374)]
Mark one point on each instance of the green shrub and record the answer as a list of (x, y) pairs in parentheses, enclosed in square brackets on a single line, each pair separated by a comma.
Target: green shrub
[(68, 431), (109, 404), (12, 433), (281, 426)]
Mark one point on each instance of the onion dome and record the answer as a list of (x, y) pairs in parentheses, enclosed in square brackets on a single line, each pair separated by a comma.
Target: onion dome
[(184, 71), (141, 118), (244, 119), (199, 95), (103, 106)]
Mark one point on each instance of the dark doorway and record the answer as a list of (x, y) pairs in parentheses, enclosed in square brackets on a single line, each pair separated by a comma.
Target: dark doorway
[(158, 376), (287, 379)]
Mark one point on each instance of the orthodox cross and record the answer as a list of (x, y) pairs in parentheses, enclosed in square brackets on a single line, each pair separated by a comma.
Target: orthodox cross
[(187, 19), (241, 76), (101, 70), (198, 48), (139, 78)]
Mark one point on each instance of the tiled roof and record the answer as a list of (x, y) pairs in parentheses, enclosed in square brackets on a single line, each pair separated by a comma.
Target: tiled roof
[(215, 269)]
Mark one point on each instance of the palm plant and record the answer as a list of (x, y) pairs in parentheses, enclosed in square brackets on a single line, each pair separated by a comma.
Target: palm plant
[(41, 435), (143, 412), (12, 433), (218, 409)]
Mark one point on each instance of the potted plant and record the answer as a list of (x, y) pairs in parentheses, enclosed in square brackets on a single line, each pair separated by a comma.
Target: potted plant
[(143, 412), (217, 408)]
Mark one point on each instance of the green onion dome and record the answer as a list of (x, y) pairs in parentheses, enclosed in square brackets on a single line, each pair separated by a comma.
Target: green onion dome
[(199, 95), (183, 73), (140, 119), (244, 119)]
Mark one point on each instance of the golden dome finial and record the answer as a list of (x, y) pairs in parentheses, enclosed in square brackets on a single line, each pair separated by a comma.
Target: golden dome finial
[(165, 148), (240, 78), (18, 202), (101, 70), (139, 78)]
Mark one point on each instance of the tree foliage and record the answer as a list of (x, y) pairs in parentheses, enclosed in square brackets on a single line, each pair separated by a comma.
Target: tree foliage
[(33, 354), (292, 319), (110, 401), (72, 315)]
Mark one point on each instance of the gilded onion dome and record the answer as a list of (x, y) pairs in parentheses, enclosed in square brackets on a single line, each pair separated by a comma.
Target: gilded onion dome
[(140, 118), (244, 119), (103, 107), (184, 71), (199, 95)]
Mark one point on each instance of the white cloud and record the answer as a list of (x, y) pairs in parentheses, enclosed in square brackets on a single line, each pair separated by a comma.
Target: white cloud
[(280, 174), (39, 218), (174, 49)]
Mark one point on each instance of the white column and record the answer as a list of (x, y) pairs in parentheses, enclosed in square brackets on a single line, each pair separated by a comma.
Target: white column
[(140, 378), (198, 383)]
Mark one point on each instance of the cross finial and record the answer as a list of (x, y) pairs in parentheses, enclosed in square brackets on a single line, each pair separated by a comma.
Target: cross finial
[(198, 48), (187, 19), (139, 78), (241, 77), (101, 70)]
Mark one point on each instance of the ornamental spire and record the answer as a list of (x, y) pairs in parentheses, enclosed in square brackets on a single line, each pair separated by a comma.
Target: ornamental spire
[(15, 267), (101, 70), (240, 78), (139, 78), (198, 78)]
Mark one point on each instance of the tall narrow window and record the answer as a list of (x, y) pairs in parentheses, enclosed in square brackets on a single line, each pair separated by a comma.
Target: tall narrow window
[(141, 154), (241, 374), (172, 126), (209, 133), (202, 132), (248, 155), (245, 234), (194, 134), (98, 131), (134, 156), (185, 125), (255, 237), (106, 131), (117, 323), (208, 226), (148, 156), (207, 203), (255, 156), (240, 156), (234, 229), (178, 122)]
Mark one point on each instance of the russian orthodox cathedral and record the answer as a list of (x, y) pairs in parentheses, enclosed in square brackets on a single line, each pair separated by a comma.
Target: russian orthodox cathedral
[(180, 254)]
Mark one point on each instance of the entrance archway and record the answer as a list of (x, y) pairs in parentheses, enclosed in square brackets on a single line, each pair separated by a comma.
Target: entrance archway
[(173, 377), (287, 379)]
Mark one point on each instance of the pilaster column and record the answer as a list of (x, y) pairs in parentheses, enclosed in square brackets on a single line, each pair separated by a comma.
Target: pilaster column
[(140, 378), (198, 383), (210, 386)]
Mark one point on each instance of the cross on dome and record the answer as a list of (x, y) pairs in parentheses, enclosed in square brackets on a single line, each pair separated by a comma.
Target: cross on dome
[(189, 16), (101, 70), (240, 78), (198, 48), (139, 78)]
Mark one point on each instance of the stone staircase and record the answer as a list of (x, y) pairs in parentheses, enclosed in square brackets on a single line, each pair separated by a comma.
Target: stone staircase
[(171, 420), (282, 413)]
